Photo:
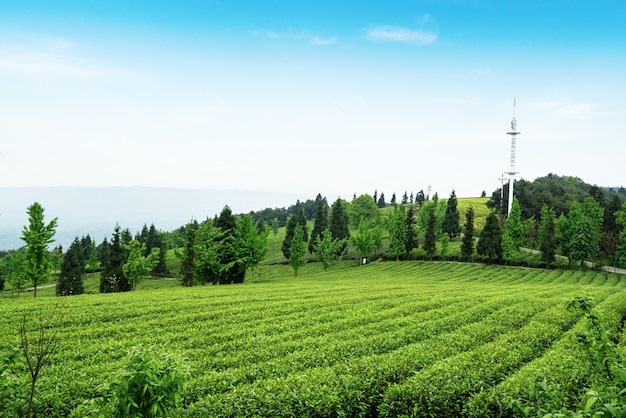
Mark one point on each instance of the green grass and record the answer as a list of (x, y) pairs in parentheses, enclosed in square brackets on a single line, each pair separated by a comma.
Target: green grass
[(351, 341)]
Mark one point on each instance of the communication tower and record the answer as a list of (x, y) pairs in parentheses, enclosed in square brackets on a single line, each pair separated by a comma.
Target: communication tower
[(512, 171)]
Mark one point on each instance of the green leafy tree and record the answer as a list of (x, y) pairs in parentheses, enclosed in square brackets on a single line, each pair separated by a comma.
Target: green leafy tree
[(451, 225), (364, 240), (13, 269), (490, 242), (430, 246), (250, 243), (620, 219), (92, 262), (275, 226), (137, 266), (320, 223), (328, 250), (37, 236), (71, 276), (56, 259), (397, 226), (297, 250), (514, 232), (547, 237), (207, 245), (467, 243), (292, 221), (589, 215), (112, 278), (362, 207)]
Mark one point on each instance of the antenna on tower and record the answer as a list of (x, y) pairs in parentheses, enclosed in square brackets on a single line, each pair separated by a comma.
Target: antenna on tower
[(512, 172)]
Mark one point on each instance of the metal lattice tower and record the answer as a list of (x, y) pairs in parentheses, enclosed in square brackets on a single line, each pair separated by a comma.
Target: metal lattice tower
[(512, 171)]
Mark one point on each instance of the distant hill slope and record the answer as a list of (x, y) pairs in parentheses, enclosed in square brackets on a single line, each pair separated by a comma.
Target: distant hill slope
[(95, 211)]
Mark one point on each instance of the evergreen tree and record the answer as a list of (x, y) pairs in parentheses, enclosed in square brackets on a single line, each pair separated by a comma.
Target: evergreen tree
[(37, 236), (381, 201), (490, 242), (397, 231), (207, 250), (411, 198), (291, 227), (275, 226), (319, 224), (420, 198), (231, 271), (547, 237), (297, 250), (71, 276), (92, 262), (405, 198), (376, 196), (188, 256), (451, 225), (467, 245), (430, 239), (112, 278), (339, 222), (393, 198), (514, 232), (411, 242), (153, 241)]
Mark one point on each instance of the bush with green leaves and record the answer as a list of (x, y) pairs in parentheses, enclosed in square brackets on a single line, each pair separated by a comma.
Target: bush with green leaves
[(149, 386)]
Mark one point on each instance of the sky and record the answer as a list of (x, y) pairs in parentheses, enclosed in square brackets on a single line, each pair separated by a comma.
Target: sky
[(332, 97)]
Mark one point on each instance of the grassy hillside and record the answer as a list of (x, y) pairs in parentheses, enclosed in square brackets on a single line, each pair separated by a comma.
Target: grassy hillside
[(385, 339)]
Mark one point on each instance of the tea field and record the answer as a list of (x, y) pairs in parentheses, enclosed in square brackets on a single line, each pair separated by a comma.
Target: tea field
[(385, 339)]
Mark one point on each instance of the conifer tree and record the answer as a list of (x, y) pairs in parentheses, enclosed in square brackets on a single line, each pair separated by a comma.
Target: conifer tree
[(490, 242), (420, 198), (430, 239), (112, 278), (411, 241), (405, 198), (547, 238), (397, 231), (188, 255), (297, 250), (381, 201), (71, 276), (451, 225), (339, 221), (467, 245), (319, 224)]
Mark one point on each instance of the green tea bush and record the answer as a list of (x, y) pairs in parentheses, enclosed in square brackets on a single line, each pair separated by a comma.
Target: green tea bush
[(149, 386)]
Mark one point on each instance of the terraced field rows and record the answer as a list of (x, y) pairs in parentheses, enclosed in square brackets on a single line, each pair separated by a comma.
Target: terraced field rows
[(385, 339)]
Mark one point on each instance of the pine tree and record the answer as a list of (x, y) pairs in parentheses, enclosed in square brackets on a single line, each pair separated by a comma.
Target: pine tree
[(297, 250), (319, 224), (339, 220), (381, 201), (467, 245), (430, 239), (71, 276), (411, 241), (228, 256), (275, 226), (112, 278), (547, 238), (490, 242), (292, 222), (155, 241), (419, 198), (397, 231), (188, 255), (405, 198), (451, 225), (393, 198)]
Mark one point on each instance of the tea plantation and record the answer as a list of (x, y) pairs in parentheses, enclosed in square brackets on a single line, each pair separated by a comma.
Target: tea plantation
[(385, 339)]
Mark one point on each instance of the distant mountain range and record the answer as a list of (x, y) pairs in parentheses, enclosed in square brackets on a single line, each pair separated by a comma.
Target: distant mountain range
[(95, 211)]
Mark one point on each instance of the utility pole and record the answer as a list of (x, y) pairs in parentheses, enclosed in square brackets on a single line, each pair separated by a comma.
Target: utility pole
[(502, 178), (512, 172)]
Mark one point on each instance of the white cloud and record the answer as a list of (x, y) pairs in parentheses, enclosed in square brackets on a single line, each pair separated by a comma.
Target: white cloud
[(47, 60), (402, 35), (317, 40)]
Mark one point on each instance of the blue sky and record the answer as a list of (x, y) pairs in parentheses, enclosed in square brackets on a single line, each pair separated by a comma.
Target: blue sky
[(337, 97)]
